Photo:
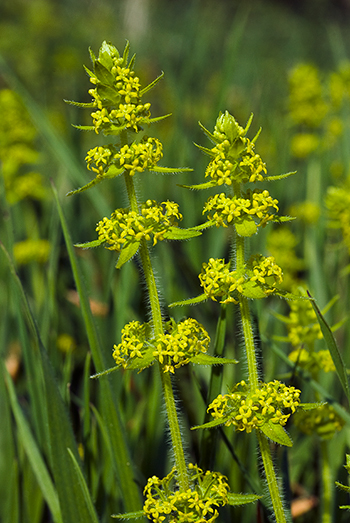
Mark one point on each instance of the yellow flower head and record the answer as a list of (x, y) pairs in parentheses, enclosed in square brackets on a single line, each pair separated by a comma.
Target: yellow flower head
[(165, 502), (248, 410)]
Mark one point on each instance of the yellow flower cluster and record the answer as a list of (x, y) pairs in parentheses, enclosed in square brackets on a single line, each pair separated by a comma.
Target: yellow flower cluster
[(165, 503), (250, 410), (29, 251), (229, 165), (258, 279), (186, 339), (313, 361), (18, 150), (227, 210), (181, 342), (303, 327), (132, 158), (125, 227), (338, 206), (123, 88), (323, 421)]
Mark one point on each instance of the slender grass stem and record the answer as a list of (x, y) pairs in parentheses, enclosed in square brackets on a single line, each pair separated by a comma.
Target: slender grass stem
[(327, 483)]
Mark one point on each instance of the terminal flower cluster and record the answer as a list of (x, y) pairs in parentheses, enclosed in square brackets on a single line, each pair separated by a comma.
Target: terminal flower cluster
[(180, 343), (323, 421), (117, 95), (224, 210), (248, 410), (233, 156), (207, 491), (133, 158), (125, 227), (257, 279)]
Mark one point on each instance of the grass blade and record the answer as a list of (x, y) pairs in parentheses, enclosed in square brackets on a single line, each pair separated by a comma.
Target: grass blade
[(109, 408), (34, 456), (333, 349)]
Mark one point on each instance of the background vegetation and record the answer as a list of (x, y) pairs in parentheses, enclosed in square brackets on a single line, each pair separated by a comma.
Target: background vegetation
[(216, 56)]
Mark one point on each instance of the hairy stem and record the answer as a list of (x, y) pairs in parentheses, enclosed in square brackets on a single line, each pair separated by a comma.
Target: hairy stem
[(157, 324), (271, 478)]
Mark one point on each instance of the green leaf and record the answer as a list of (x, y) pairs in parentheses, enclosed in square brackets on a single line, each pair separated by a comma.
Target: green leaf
[(122, 462), (170, 170), (151, 85), (106, 52), (282, 219), (278, 177), (103, 75), (310, 406), (109, 94), (93, 182), (190, 301), (129, 515), (89, 245), (333, 349), (247, 227), (156, 119), (241, 499), (84, 127), (276, 433), (90, 73), (176, 233), (208, 133), (200, 186), (33, 453), (84, 489), (206, 359), (211, 424), (206, 150), (80, 104), (127, 253)]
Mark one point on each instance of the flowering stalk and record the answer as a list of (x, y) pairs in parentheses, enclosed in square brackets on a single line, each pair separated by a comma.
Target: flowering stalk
[(255, 404), (118, 110)]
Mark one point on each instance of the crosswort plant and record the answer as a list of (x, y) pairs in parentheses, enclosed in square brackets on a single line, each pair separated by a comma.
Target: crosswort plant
[(188, 493)]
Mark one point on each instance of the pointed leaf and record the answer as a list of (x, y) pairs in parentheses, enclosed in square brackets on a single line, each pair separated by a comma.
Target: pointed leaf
[(206, 359), (84, 127), (200, 186), (90, 73), (278, 177), (33, 453), (127, 253), (190, 301), (156, 119), (129, 515), (93, 182), (276, 433), (176, 233), (208, 133), (88, 245), (281, 219), (211, 424), (84, 489), (106, 52), (170, 170), (333, 349), (310, 406), (126, 53), (103, 75), (241, 499), (206, 150), (151, 85), (80, 104)]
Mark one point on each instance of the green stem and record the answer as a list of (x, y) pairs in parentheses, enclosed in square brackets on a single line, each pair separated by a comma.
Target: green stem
[(271, 478), (253, 384), (246, 322), (157, 324)]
